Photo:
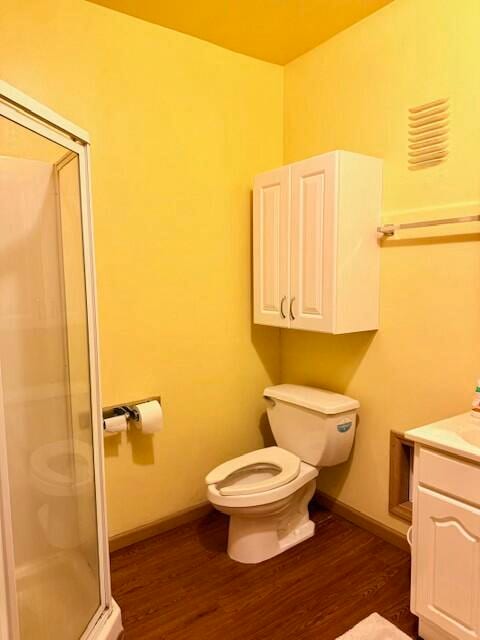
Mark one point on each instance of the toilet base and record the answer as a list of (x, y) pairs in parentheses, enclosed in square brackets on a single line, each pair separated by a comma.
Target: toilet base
[(301, 533), (255, 539), (249, 545)]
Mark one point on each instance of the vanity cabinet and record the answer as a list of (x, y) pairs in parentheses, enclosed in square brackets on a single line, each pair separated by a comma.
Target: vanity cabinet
[(315, 248), (446, 546)]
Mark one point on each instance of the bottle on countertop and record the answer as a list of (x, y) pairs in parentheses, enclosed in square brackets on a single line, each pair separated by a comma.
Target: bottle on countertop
[(475, 412)]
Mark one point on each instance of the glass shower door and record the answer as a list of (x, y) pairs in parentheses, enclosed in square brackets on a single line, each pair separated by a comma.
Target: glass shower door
[(46, 385)]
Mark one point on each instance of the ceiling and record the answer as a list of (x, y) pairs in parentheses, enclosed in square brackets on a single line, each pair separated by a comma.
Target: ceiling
[(273, 30)]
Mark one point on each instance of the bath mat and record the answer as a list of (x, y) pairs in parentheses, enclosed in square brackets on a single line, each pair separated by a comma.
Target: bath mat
[(374, 628)]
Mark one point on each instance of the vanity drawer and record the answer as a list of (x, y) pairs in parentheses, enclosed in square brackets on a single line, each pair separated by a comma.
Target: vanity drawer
[(449, 475)]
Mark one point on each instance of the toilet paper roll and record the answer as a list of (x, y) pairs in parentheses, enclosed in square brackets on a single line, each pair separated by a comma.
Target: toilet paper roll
[(150, 416), (115, 424)]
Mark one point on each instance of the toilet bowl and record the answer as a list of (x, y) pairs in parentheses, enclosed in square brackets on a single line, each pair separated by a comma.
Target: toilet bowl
[(266, 492), (62, 473)]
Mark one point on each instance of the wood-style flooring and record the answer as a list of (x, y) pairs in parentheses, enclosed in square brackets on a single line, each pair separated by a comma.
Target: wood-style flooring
[(181, 585)]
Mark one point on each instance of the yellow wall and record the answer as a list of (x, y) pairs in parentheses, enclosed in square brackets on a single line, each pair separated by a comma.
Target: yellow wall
[(353, 93), (179, 128)]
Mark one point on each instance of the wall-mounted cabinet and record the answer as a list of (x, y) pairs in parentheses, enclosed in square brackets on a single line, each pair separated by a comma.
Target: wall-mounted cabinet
[(315, 248)]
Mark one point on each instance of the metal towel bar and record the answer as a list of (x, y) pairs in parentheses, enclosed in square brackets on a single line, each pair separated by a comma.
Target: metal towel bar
[(390, 229)]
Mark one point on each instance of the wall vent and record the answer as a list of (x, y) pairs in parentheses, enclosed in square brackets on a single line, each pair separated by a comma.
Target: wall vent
[(428, 134)]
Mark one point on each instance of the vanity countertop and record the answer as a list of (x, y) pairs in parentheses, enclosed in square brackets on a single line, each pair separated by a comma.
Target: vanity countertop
[(459, 435)]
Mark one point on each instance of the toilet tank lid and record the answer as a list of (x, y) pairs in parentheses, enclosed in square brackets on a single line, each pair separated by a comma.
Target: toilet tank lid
[(312, 398)]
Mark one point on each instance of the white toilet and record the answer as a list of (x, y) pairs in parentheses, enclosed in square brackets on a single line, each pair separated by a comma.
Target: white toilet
[(63, 468), (266, 492), (62, 473)]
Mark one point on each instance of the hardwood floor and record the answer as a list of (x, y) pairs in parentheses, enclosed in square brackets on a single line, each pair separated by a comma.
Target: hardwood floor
[(181, 585)]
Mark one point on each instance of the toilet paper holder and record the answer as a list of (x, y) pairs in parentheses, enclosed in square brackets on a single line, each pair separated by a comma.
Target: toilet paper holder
[(127, 409)]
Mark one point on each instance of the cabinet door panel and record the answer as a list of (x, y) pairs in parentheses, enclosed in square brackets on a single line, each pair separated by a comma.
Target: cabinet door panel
[(448, 564), (271, 218), (313, 243)]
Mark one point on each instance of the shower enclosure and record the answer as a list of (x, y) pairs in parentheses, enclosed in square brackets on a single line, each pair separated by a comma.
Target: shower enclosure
[(54, 566)]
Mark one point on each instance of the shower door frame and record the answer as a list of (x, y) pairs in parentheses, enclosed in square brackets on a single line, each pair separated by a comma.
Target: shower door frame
[(20, 108)]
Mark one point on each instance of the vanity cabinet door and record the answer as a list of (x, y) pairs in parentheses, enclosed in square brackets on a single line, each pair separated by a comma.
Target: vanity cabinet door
[(313, 243), (447, 564), (271, 221)]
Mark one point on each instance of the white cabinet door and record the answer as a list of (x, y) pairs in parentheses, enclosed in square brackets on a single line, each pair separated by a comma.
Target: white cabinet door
[(447, 564), (313, 243), (271, 221)]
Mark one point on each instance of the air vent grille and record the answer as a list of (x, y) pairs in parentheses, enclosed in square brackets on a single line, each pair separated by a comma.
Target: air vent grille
[(428, 134)]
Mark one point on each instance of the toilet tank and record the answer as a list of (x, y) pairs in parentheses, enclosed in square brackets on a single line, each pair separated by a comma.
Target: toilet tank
[(316, 425)]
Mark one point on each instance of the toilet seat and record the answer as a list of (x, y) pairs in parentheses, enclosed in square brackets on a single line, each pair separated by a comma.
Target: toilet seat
[(286, 462), (68, 481), (307, 473)]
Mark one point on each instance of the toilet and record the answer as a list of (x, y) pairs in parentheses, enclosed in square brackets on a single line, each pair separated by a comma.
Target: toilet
[(63, 468), (266, 492), (62, 473)]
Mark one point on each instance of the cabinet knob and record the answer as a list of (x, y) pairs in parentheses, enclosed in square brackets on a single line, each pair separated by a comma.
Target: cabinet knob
[(291, 308), (282, 312)]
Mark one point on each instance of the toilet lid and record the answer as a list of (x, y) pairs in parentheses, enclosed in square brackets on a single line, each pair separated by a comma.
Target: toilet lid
[(287, 463)]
